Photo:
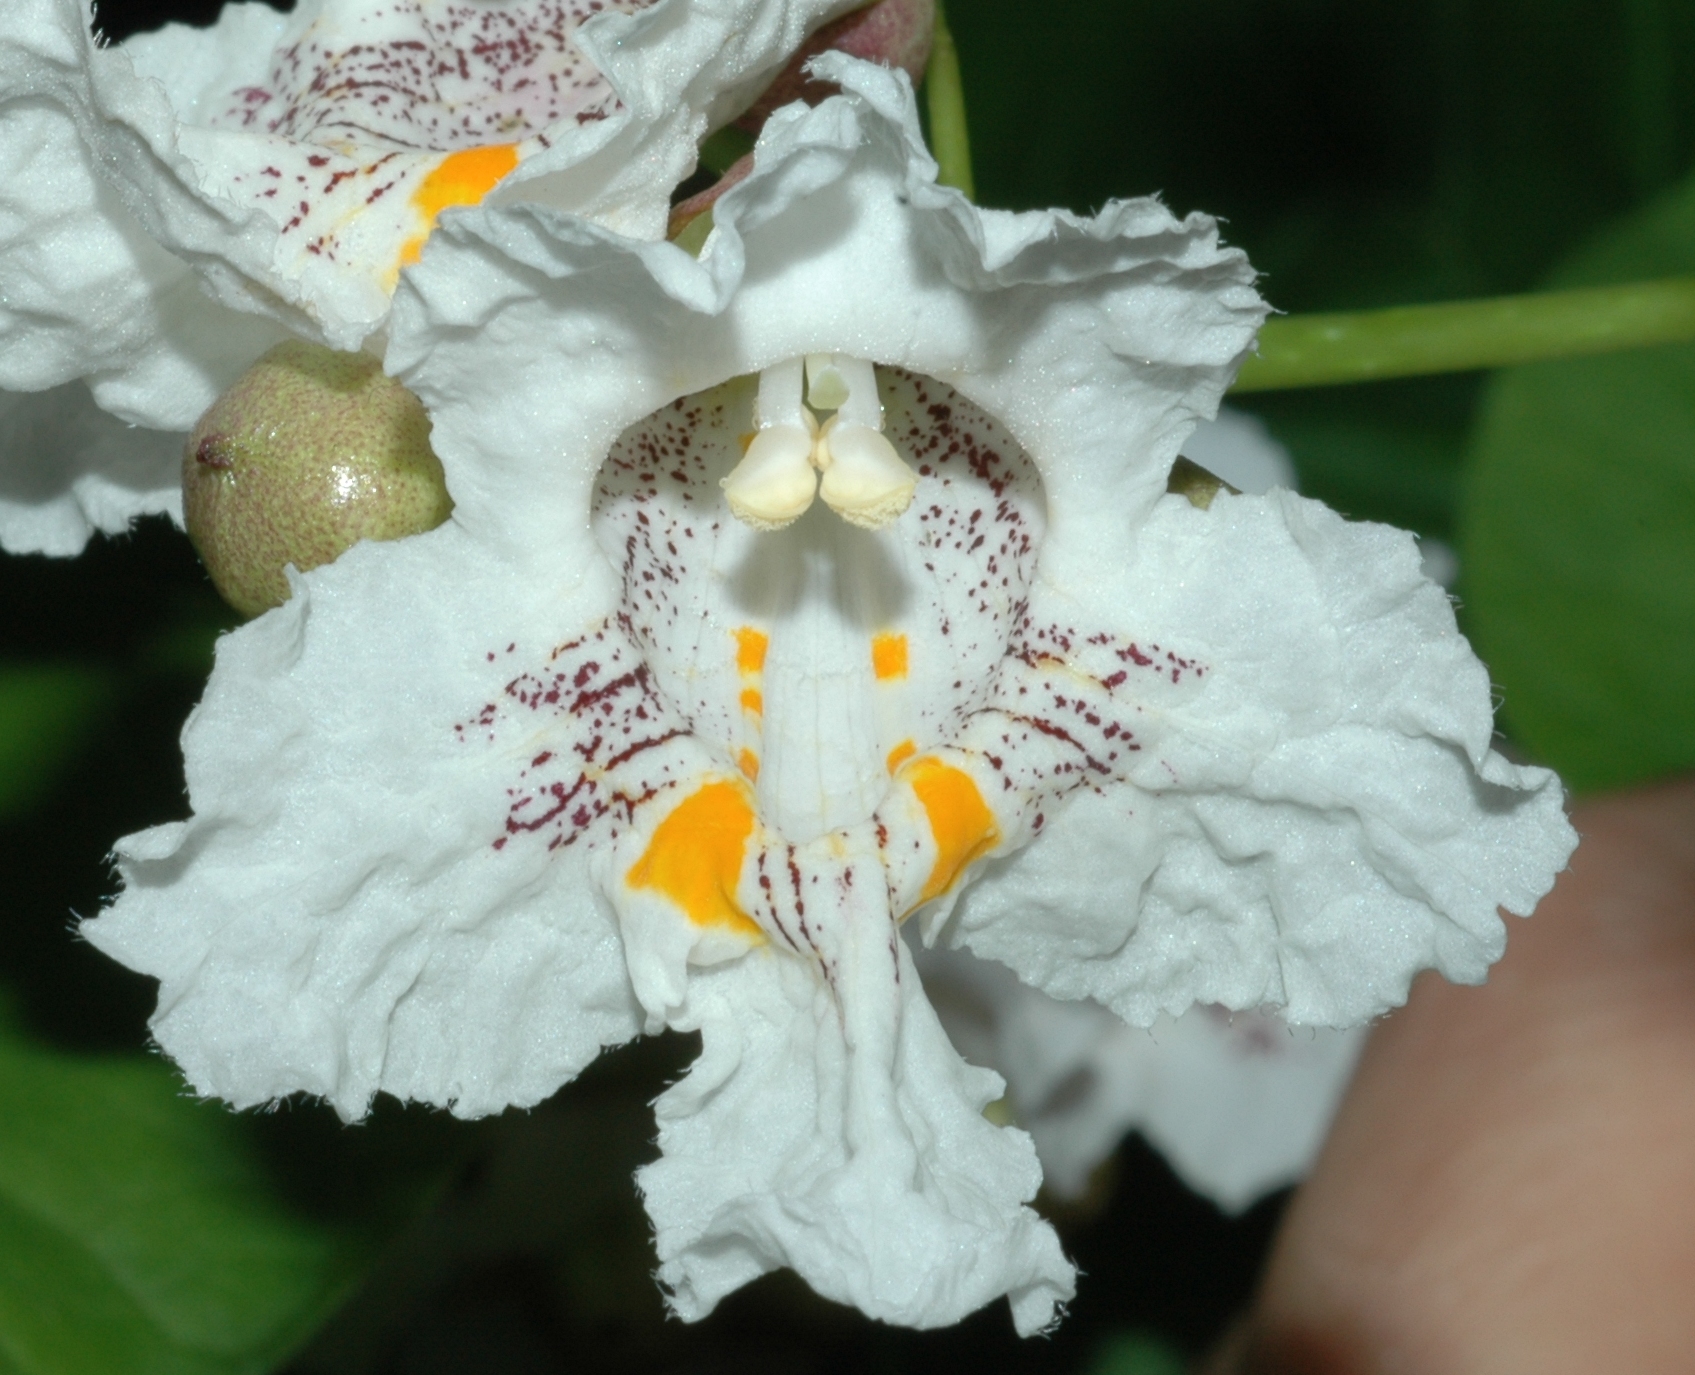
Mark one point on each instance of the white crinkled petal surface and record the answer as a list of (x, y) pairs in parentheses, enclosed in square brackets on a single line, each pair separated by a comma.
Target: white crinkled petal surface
[(596, 755), (172, 206), (832, 1128), (86, 289), (333, 918), (1314, 814)]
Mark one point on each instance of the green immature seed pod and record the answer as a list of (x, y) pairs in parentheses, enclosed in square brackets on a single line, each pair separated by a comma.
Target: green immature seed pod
[(308, 453)]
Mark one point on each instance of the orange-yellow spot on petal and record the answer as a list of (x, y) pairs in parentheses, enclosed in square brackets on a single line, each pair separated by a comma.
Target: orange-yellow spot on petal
[(901, 753), (749, 764), (960, 821), (746, 439), (753, 701), (888, 656), (751, 645), (461, 178), (695, 856)]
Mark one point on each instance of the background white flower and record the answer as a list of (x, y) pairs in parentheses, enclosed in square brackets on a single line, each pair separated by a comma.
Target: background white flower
[(172, 206), (1238, 1103)]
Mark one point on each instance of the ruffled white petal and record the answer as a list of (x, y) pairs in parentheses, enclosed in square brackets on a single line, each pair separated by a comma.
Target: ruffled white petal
[(1239, 1104), (1312, 812), (341, 916), (832, 1129), (69, 469), (53, 74)]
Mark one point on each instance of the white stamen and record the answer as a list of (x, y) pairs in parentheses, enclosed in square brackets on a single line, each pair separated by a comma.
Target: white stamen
[(865, 481), (780, 390), (774, 483)]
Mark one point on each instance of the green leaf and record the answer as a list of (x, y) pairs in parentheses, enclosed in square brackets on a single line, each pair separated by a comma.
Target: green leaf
[(46, 712), (1578, 536), (1137, 1353), (140, 1232)]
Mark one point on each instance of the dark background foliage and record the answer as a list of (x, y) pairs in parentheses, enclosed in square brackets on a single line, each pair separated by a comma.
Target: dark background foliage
[(1363, 154)]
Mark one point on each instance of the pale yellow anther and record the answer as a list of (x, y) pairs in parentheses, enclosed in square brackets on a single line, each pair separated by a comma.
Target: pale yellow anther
[(865, 481), (775, 482)]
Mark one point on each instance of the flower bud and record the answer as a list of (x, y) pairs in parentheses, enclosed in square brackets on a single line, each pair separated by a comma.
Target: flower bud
[(308, 453), (1189, 479)]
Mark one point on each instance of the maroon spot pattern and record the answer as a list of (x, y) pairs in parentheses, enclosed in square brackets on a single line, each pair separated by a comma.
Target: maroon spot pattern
[(1063, 715), (607, 742), (414, 75), (399, 83)]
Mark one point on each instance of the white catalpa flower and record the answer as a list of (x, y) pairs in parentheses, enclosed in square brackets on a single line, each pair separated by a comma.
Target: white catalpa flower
[(598, 756), (173, 206)]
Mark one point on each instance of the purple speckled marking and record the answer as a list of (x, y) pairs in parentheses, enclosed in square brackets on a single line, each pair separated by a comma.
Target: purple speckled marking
[(438, 77)]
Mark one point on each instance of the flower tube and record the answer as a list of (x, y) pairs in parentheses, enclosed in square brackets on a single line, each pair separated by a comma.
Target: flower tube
[(596, 756)]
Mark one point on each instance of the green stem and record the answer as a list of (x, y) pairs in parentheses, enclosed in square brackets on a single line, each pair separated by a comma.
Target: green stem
[(1458, 336), (944, 93)]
